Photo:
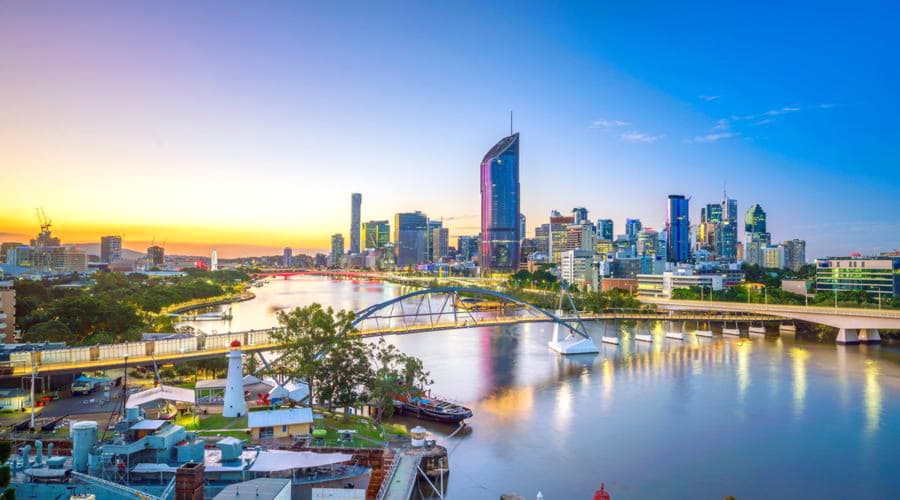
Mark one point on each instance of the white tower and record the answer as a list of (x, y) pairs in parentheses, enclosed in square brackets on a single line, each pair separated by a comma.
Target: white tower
[(214, 261), (235, 406)]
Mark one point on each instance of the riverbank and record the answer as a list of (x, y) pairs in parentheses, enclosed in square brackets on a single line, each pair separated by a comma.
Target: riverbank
[(218, 300)]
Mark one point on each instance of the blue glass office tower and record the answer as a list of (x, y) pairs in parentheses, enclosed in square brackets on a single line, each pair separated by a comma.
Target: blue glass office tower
[(500, 206), (632, 228), (605, 229), (678, 229)]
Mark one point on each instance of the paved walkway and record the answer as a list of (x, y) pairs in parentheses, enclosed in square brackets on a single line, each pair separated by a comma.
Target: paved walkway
[(404, 478)]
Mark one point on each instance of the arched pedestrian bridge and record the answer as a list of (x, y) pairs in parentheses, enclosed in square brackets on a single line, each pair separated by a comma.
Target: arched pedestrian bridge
[(422, 310)]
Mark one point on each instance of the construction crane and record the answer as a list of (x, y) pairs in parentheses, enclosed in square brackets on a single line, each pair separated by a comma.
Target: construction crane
[(43, 220)]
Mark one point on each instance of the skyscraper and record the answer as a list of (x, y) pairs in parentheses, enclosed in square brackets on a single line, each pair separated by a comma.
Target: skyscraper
[(727, 238), (500, 206), (757, 239), (678, 229), (287, 258), (110, 248), (355, 205), (521, 227), (580, 214), (156, 256), (409, 238), (377, 234), (214, 261), (337, 249), (429, 241), (605, 229), (440, 243), (632, 228), (558, 239)]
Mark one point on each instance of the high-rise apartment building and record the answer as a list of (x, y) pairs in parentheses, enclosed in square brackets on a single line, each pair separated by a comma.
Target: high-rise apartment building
[(287, 257), (794, 254), (500, 206), (431, 225), (110, 248), (605, 229), (355, 207), (678, 229), (377, 234), (576, 268), (337, 249), (409, 238), (877, 276)]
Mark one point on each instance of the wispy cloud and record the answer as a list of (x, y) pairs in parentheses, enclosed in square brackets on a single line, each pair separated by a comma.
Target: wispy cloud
[(781, 111), (708, 98), (712, 137), (635, 137), (606, 123), (722, 124), (764, 121)]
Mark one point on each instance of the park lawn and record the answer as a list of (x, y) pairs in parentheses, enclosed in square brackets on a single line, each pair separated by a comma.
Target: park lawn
[(364, 426), (211, 422)]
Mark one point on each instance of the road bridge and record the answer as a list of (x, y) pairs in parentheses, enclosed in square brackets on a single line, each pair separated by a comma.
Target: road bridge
[(855, 325)]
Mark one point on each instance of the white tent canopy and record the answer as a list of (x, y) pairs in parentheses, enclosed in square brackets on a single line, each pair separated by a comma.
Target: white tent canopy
[(161, 393), (280, 460)]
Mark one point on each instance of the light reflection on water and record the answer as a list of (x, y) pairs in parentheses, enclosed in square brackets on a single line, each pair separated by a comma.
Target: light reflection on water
[(699, 418)]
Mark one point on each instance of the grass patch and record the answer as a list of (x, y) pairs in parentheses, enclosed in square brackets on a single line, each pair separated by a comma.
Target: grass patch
[(211, 422), (365, 427), (243, 436)]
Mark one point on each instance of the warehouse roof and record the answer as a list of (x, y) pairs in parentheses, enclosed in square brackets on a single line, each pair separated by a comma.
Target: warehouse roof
[(161, 393)]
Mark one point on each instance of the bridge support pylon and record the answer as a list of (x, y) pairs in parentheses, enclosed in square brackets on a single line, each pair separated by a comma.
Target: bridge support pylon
[(571, 343), (869, 336)]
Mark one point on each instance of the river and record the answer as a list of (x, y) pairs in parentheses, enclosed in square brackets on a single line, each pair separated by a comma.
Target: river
[(701, 418)]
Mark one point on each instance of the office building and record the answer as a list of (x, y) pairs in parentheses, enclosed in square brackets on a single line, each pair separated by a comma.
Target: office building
[(355, 207), (214, 261), (678, 229), (430, 226), (576, 268), (580, 214), (542, 238), (772, 257), (662, 285), (156, 256), (409, 238), (580, 237), (377, 234), (521, 227), (440, 244), (794, 254), (337, 249), (558, 227), (648, 243), (287, 257), (727, 237), (605, 229), (877, 276), (500, 206), (466, 247), (757, 238), (632, 228), (71, 260), (110, 248)]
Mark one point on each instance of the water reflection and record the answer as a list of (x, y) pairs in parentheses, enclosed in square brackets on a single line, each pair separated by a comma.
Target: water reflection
[(872, 397), (799, 357)]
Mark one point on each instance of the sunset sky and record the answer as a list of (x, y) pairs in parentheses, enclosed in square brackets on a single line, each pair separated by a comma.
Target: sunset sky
[(245, 126)]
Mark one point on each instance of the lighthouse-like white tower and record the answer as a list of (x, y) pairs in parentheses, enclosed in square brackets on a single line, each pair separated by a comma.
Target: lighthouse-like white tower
[(235, 406)]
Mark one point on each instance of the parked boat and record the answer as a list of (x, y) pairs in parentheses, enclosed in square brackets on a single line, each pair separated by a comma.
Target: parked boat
[(431, 408)]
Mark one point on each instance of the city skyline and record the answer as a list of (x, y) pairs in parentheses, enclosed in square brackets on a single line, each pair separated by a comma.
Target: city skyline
[(239, 143)]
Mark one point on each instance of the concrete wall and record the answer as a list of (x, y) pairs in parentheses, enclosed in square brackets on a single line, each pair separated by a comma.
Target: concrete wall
[(278, 432)]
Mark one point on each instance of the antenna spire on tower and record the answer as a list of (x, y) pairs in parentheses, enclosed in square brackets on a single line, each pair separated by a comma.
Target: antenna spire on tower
[(510, 122)]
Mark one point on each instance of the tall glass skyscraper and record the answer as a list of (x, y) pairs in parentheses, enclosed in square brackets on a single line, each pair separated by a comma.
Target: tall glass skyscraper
[(409, 238), (605, 229), (678, 229), (632, 228), (355, 205), (500, 206), (728, 238)]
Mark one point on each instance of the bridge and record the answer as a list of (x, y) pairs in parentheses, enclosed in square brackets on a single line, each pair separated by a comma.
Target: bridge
[(424, 310), (854, 325)]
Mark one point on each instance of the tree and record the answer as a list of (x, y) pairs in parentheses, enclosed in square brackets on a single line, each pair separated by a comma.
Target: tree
[(307, 334), (393, 374), (345, 370)]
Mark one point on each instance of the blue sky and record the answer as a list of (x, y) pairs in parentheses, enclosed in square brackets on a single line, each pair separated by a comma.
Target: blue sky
[(175, 111)]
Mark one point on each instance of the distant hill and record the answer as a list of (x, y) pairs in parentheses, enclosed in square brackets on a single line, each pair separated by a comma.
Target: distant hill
[(94, 249)]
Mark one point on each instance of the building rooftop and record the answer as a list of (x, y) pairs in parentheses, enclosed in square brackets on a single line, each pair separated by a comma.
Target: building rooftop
[(263, 488), (272, 418)]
